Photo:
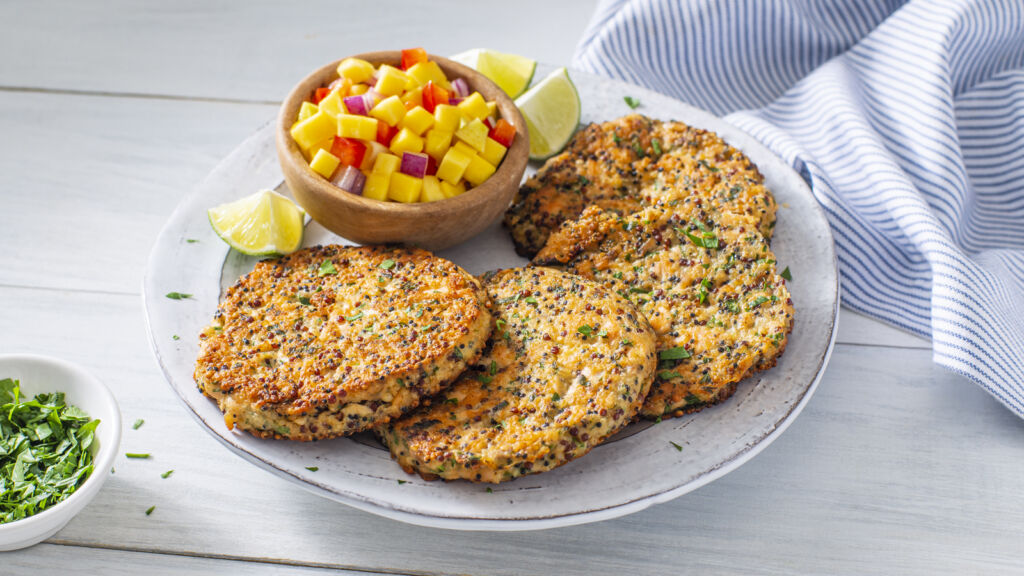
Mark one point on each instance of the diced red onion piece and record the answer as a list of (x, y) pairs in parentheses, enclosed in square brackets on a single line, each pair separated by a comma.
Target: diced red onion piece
[(374, 96), (350, 180), (414, 164), (454, 101), (460, 87), (358, 105)]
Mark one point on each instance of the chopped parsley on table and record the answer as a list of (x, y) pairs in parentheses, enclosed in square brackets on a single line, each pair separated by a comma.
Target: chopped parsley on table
[(138, 424), (178, 295), (44, 451), (633, 103)]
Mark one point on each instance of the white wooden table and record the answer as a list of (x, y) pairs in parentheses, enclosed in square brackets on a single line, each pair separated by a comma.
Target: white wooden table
[(111, 113)]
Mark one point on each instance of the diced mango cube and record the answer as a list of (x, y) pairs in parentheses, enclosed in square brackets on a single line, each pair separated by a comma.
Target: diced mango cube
[(386, 163), (307, 110), (431, 190), (354, 126), (405, 188), (492, 108), (376, 186), (332, 104), (358, 90), (450, 190), (390, 80), (453, 165), (464, 148), (474, 106), (373, 149), (437, 143), (355, 69), (417, 121), (446, 117), (324, 163), (315, 129), (429, 71), (322, 145), (390, 110), (478, 170), (406, 141), (474, 133), (413, 98), (493, 152)]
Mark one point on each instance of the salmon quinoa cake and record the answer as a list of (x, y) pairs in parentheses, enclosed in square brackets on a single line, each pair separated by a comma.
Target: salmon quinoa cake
[(568, 365), (332, 340), (708, 286), (626, 164)]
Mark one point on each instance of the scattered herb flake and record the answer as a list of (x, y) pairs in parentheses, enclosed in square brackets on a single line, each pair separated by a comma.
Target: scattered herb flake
[(603, 333), (785, 274), (452, 400), (191, 240), (677, 353), (326, 269), (150, 510), (731, 306), (555, 397), (178, 295), (400, 482), (493, 368), (490, 490), (656, 144), (756, 302), (139, 455), (304, 300), (530, 300), (631, 102), (167, 474), (667, 375), (676, 446), (585, 330), (138, 424), (354, 317), (387, 264), (175, 337), (313, 468)]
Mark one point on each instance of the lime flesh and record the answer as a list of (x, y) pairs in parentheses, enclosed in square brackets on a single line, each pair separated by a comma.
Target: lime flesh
[(263, 224), (552, 112), (512, 73)]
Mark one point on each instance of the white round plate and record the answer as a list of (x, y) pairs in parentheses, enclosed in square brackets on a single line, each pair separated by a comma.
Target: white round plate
[(638, 468)]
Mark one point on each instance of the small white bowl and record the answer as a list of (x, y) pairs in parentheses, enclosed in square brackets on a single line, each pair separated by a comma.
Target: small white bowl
[(40, 374)]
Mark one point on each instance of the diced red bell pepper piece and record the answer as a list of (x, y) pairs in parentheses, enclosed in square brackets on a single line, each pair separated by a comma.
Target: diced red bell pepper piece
[(349, 151), (489, 123), (503, 133), (433, 95), (412, 57), (385, 133), (320, 94), (431, 166)]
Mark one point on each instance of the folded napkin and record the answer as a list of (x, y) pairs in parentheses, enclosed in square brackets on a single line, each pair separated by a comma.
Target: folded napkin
[(907, 121)]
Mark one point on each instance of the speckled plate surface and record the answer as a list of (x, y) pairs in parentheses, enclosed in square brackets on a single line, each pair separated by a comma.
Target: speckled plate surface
[(637, 468)]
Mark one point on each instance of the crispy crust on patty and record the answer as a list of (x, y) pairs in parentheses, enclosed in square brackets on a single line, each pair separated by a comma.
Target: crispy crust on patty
[(332, 340), (568, 365), (708, 286), (626, 164)]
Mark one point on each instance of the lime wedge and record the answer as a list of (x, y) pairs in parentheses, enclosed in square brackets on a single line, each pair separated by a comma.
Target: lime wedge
[(264, 224), (552, 112), (512, 73)]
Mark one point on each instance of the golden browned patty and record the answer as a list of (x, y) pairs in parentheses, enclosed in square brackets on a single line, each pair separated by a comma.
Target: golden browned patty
[(626, 164), (708, 286), (568, 365), (333, 340)]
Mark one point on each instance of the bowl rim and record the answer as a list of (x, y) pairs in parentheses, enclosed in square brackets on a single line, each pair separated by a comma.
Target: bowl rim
[(516, 158), (102, 460)]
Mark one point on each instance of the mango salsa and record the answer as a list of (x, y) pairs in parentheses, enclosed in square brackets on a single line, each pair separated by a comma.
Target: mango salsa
[(414, 134)]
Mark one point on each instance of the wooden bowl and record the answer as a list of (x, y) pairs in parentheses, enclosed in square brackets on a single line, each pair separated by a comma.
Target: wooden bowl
[(430, 225)]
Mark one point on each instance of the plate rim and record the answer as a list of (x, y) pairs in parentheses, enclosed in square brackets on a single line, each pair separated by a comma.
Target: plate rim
[(456, 522)]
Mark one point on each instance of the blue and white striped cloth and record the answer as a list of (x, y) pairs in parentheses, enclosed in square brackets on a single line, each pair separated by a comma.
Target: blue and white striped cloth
[(907, 120)]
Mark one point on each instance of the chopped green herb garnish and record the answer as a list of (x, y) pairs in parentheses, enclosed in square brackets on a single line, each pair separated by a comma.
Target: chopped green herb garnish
[(530, 300), (615, 137), (555, 397), (150, 510), (756, 302), (138, 423), (692, 399), (706, 165), (617, 275), (304, 300), (457, 353), (603, 333), (490, 490), (667, 375), (44, 451), (354, 317), (631, 102), (706, 239), (400, 482), (585, 330), (639, 151), (178, 295), (312, 468), (142, 455), (493, 368), (677, 353), (191, 240), (731, 306), (387, 264), (656, 144), (484, 378), (785, 274), (452, 400), (583, 180), (627, 342), (167, 474), (175, 337), (702, 291), (677, 446), (326, 269)]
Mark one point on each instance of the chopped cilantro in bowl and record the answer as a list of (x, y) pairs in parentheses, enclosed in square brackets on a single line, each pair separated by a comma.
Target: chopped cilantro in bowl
[(44, 451)]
